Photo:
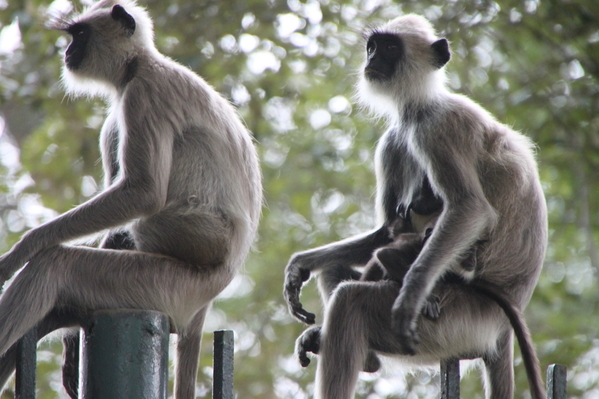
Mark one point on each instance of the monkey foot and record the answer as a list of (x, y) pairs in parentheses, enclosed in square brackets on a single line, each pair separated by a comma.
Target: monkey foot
[(309, 341), (406, 332), (372, 363)]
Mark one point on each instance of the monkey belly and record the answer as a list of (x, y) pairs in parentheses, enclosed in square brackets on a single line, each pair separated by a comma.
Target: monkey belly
[(201, 239)]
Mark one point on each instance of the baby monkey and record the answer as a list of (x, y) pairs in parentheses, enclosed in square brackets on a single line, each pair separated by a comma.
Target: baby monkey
[(393, 261)]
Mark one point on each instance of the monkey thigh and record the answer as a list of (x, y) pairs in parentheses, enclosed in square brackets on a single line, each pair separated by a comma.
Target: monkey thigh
[(198, 236), (469, 324), (83, 279)]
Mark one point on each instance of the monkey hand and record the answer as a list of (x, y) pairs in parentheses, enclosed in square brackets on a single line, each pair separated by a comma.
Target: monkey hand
[(432, 307), (295, 276), (404, 326)]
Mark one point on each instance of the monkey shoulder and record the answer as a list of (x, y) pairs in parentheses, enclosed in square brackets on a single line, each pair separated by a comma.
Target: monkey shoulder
[(168, 93), (495, 142)]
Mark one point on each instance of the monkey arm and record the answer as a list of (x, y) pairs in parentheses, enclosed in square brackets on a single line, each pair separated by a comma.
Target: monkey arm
[(451, 167), (145, 160), (356, 250)]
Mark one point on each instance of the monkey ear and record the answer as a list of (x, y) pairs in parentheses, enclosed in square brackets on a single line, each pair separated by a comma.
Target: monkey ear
[(441, 52), (119, 14)]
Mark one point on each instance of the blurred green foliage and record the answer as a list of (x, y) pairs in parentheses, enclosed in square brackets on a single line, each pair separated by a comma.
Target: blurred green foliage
[(290, 68)]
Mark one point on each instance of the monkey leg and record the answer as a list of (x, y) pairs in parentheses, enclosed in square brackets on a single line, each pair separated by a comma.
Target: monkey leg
[(53, 321), (87, 278), (70, 364), (114, 239), (359, 317), (188, 354), (346, 335), (328, 280), (499, 369), (7, 364)]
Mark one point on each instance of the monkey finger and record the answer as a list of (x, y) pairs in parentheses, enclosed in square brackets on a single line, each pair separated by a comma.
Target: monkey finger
[(431, 308), (303, 315)]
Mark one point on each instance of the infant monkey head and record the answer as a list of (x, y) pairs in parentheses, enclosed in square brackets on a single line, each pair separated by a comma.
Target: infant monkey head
[(393, 261)]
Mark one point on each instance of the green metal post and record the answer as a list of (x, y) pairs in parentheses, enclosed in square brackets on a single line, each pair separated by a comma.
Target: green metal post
[(450, 379), (25, 369), (556, 381), (125, 355), (224, 347)]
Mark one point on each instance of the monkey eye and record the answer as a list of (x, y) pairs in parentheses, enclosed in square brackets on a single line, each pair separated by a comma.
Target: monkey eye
[(77, 30), (371, 47)]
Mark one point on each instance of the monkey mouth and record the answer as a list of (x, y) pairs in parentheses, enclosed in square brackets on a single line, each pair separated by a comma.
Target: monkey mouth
[(375, 75)]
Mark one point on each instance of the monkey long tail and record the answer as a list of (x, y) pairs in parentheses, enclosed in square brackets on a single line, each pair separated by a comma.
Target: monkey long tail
[(529, 355)]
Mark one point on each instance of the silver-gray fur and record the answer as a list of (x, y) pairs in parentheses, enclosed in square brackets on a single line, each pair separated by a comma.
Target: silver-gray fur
[(486, 177), (181, 203)]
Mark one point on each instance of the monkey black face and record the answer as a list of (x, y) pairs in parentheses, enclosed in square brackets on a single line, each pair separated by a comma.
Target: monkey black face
[(75, 54), (383, 51), (81, 32)]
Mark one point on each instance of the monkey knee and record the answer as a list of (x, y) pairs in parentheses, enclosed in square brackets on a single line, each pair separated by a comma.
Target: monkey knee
[(330, 278), (343, 294), (47, 260), (350, 299)]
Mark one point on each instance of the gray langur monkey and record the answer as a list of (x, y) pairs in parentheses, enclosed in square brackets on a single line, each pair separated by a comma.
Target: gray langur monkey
[(485, 179), (181, 203), (393, 262)]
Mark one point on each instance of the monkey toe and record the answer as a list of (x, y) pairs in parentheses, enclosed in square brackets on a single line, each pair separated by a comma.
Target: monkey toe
[(303, 315), (432, 308)]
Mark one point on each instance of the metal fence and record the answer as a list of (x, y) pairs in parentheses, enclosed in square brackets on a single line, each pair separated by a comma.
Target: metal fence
[(125, 355), (450, 380)]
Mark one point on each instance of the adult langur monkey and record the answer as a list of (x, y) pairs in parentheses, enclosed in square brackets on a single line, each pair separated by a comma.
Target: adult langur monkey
[(440, 148), (181, 204)]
